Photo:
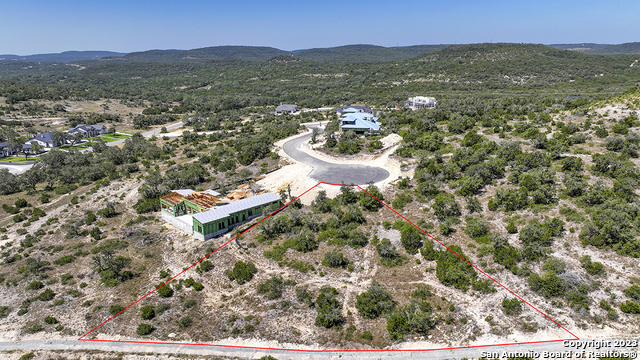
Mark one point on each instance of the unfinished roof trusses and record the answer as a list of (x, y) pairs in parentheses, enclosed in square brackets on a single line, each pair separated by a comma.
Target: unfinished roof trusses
[(201, 199)]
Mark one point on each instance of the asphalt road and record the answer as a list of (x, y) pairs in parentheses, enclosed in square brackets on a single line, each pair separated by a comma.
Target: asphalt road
[(333, 173), (248, 353), (16, 169)]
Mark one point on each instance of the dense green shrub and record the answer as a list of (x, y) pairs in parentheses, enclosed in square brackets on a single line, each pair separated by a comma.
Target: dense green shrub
[(547, 285), (50, 320), (165, 291), (329, 308), (512, 307), (368, 200), (630, 307), (389, 256), (242, 272), (115, 309), (64, 260), (148, 312), (593, 268), (633, 292), (335, 259), (452, 270), (554, 265), (476, 228), (445, 205), (375, 302), (185, 322), (411, 238), (415, 317), (145, 329), (35, 285), (272, 287), (205, 266), (46, 295)]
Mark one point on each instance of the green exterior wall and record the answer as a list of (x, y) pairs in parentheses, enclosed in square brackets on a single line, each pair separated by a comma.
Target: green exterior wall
[(233, 219)]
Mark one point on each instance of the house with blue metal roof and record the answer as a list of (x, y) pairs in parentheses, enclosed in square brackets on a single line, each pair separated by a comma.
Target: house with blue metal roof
[(354, 109), (359, 122)]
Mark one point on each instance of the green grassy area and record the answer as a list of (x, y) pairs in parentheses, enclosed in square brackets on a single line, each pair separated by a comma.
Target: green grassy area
[(16, 159), (76, 147), (117, 136), (110, 137)]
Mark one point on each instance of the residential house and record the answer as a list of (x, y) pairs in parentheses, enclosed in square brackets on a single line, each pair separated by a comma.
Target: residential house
[(45, 140), (353, 109), (219, 220), (420, 102), (5, 150), (205, 216), (88, 131), (286, 109), (359, 122)]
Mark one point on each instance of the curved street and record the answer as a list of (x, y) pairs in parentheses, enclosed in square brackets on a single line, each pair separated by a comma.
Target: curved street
[(333, 173)]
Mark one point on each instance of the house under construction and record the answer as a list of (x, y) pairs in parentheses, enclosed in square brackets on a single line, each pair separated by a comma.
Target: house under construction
[(206, 216)]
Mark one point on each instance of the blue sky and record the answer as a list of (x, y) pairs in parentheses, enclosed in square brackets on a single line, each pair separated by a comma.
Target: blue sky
[(43, 26)]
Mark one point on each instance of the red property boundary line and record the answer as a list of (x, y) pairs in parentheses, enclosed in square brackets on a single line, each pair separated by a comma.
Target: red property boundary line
[(574, 337)]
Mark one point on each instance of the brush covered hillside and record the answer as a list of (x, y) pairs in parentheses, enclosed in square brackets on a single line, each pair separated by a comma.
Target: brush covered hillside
[(489, 69), (365, 53), (605, 49)]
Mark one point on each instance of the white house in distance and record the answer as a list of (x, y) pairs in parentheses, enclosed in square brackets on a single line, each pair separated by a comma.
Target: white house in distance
[(420, 102), (44, 140), (286, 109)]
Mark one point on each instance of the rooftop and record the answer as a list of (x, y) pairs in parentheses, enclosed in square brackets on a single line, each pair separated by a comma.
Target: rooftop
[(201, 199), (222, 212)]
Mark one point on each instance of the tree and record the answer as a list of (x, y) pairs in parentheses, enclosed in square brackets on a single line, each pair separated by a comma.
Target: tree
[(321, 203), (347, 195), (31, 178), (10, 183), (242, 272), (368, 199), (58, 138), (36, 266), (445, 205), (148, 312), (411, 238), (36, 148), (329, 308), (335, 259), (375, 302), (75, 137)]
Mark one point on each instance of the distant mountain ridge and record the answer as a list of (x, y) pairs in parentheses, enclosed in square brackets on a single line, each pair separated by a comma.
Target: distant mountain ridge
[(66, 56), (359, 53), (257, 53)]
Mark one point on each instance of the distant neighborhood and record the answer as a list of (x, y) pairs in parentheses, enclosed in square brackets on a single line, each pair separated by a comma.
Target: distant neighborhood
[(360, 119), (50, 139)]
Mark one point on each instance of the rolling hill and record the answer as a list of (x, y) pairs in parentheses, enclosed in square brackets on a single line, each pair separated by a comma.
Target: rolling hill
[(257, 53), (66, 56)]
